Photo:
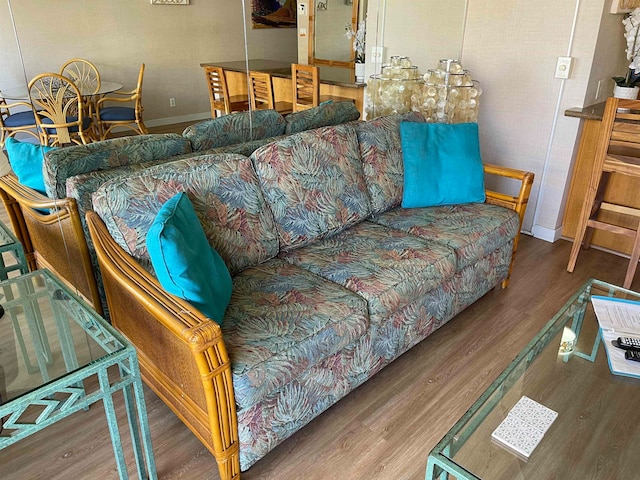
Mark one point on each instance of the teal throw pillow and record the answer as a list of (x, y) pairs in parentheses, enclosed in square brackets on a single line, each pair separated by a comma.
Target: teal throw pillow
[(26, 162), (184, 262), (442, 164)]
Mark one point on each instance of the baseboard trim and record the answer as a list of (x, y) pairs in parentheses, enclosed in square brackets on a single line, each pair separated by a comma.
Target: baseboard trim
[(194, 117), (547, 234)]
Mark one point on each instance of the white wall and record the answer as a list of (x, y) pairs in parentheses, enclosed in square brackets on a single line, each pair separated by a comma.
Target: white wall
[(511, 47), (118, 35)]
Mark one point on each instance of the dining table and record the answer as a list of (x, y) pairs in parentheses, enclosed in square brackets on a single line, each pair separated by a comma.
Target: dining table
[(22, 92)]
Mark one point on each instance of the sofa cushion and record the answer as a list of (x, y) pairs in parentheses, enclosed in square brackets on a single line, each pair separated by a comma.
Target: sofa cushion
[(282, 321), (314, 184), (381, 153), (387, 267), (183, 260), (473, 230), (63, 163), (442, 164), (235, 128), (26, 162), (225, 195), (324, 115)]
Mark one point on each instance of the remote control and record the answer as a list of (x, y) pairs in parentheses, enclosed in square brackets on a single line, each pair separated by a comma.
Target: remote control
[(632, 355), (629, 343)]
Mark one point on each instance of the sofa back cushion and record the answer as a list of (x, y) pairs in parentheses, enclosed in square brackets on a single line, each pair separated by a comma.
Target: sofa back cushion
[(324, 115), (314, 184), (236, 128), (62, 163), (381, 153), (225, 194)]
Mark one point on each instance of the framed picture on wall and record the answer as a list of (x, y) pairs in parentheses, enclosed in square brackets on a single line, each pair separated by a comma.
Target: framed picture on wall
[(273, 13), (624, 6), (169, 2)]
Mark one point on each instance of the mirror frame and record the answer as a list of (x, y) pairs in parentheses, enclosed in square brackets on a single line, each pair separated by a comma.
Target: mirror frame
[(311, 29)]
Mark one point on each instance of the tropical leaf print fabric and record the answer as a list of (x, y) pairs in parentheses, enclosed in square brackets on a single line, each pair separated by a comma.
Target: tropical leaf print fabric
[(313, 183), (387, 267), (473, 230), (381, 154), (226, 197), (281, 321), (324, 115), (62, 163), (233, 129)]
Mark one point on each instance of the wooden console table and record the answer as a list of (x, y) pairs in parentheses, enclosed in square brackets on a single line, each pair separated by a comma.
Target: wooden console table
[(236, 75), (620, 189)]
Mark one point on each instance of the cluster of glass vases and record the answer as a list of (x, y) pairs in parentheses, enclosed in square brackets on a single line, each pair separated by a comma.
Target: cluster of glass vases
[(393, 89), (448, 94)]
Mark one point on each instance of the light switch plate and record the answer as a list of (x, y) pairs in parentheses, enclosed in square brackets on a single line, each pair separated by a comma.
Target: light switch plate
[(563, 67), (302, 9), (377, 54)]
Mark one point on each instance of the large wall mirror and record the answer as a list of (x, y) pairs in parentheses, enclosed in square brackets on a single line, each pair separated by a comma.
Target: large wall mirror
[(329, 46)]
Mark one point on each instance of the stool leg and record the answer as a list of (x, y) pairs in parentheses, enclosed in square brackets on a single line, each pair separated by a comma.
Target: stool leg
[(633, 262), (604, 180), (585, 214)]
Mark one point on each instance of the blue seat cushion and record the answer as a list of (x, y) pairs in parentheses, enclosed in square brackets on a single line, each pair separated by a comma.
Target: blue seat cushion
[(115, 114), (86, 121), (21, 119)]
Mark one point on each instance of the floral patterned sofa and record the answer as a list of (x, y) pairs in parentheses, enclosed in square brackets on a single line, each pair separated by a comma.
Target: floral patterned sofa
[(332, 280), (48, 226)]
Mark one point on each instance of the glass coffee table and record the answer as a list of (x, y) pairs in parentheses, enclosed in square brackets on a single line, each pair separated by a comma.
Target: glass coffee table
[(58, 357), (596, 433)]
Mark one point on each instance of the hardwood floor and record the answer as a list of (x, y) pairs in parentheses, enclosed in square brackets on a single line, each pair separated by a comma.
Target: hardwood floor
[(385, 428)]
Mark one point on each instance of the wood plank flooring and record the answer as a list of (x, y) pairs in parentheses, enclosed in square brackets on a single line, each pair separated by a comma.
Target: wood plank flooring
[(385, 428)]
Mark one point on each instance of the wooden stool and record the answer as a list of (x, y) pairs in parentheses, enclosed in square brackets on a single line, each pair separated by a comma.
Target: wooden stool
[(618, 152), (261, 94)]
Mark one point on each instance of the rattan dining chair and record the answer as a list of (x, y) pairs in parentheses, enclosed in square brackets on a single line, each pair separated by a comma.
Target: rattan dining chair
[(19, 122), (60, 112), (261, 94), (219, 97), (130, 117), (83, 73), (86, 77)]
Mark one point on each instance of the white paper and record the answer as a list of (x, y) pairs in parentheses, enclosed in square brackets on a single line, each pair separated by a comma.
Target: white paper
[(618, 318), (617, 315)]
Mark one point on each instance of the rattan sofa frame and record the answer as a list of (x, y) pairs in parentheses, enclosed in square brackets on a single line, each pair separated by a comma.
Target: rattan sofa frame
[(183, 358)]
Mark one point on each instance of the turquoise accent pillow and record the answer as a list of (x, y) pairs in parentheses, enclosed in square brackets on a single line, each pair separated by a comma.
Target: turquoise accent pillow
[(442, 164), (26, 162), (184, 262)]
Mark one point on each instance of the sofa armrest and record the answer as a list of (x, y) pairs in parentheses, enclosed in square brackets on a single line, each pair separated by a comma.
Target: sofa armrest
[(516, 203), (51, 235), (182, 354)]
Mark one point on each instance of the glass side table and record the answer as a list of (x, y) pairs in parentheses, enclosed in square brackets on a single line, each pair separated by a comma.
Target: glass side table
[(10, 244), (57, 356)]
